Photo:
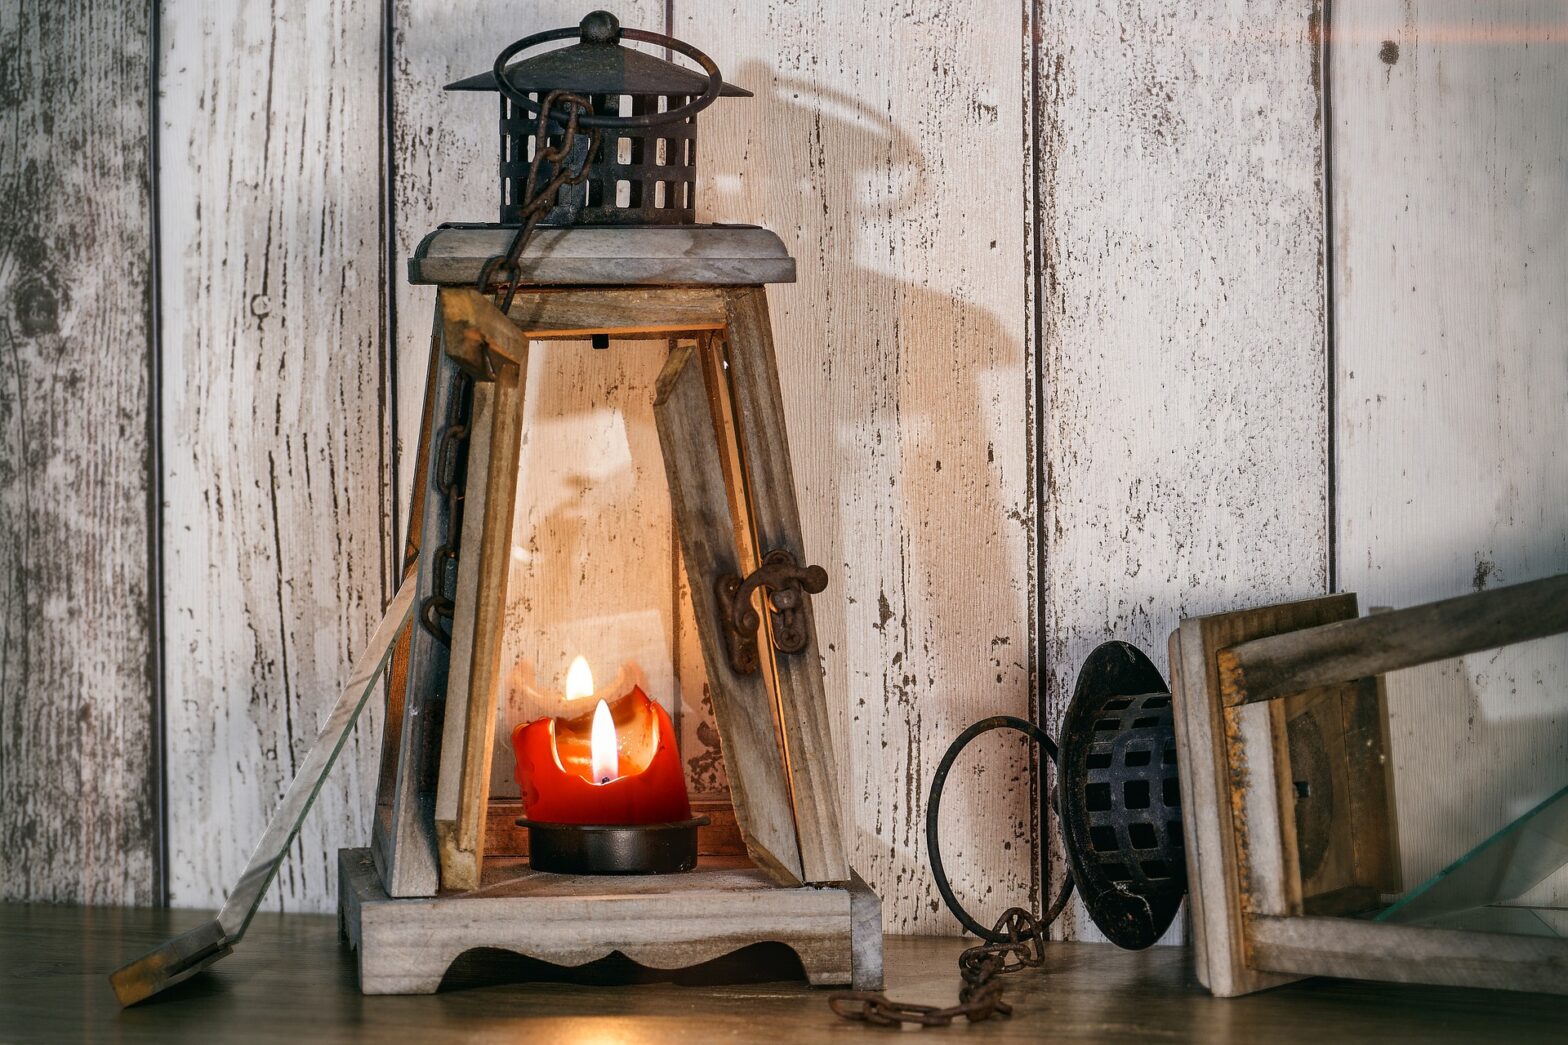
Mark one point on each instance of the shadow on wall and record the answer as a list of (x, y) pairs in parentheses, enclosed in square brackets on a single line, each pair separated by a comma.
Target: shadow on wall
[(905, 401)]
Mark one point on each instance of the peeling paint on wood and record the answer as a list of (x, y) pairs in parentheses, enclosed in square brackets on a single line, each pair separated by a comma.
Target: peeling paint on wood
[(1182, 351), (884, 145), (274, 545), (78, 814), (1450, 268)]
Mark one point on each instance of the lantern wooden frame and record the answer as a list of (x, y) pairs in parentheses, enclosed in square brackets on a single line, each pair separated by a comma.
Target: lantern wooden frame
[(1242, 684), (424, 892)]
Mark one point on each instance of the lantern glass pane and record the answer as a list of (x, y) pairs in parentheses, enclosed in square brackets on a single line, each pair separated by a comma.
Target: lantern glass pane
[(1487, 889), (595, 568)]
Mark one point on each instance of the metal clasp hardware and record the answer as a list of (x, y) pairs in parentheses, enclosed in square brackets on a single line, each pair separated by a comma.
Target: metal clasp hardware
[(787, 583)]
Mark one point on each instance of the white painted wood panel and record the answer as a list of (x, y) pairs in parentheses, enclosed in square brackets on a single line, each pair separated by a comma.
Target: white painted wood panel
[(78, 733), (885, 145), (274, 542), (1450, 263), (1183, 421)]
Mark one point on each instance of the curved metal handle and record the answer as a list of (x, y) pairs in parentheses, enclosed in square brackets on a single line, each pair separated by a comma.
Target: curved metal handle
[(787, 585), (933, 821), (607, 31)]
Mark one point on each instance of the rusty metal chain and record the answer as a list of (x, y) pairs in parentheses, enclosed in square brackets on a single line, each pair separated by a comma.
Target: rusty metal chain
[(506, 270), (981, 967), (1016, 942), (451, 459)]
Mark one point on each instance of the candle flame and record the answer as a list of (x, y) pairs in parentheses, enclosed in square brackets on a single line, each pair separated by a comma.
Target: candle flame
[(579, 680), (602, 746)]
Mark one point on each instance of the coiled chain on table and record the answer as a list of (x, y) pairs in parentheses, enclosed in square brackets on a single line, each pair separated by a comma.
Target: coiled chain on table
[(981, 967), (1016, 942)]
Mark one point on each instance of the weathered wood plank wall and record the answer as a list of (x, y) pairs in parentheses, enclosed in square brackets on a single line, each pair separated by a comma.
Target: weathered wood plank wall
[(78, 730), (1184, 420), (275, 453), (1451, 311), (1062, 274), (885, 144)]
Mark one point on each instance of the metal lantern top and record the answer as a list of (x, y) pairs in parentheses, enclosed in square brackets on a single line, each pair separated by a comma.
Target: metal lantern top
[(643, 169)]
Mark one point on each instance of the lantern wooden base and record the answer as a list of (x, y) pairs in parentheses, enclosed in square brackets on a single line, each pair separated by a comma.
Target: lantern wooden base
[(665, 922)]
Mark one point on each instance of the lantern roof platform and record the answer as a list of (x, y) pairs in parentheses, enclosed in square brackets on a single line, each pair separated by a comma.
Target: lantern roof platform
[(609, 255)]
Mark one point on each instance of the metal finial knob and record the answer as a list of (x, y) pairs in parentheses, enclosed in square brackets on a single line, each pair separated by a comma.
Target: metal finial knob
[(600, 27)]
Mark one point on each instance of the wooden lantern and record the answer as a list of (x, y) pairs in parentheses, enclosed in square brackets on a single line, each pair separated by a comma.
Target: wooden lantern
[(444, 873), (721, 428)]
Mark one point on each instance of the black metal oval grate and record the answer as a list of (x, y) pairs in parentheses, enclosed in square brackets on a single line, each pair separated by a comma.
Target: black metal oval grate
[(1120, 798)]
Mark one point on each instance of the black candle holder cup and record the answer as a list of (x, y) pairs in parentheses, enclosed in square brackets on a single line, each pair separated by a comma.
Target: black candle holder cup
[(613, 849)]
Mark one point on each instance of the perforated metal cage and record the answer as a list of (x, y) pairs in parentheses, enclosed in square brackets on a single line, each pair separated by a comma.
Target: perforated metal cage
[(1120, 798), (644, 171), (639, 176)]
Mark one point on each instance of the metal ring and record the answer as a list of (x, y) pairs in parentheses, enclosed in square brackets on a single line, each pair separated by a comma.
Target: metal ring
[(652, 119), (933, 843)]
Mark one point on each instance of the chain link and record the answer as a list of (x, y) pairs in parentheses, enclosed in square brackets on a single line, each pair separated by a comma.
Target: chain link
[(980, 967), (506, 269), (436, 611)]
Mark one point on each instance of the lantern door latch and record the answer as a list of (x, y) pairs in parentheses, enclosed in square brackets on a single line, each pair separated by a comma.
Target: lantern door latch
[(787, 584)]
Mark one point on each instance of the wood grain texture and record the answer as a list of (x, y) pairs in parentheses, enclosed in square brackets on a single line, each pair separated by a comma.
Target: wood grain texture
[(1410, 954), (1450, 268), (493, 551), (1180, 228), (758, 780), (610, 255), (52, 959), (78, 741), (1279, 665), (274, 544), (885, 146), (773, 513), (657, 313), (659, 921)]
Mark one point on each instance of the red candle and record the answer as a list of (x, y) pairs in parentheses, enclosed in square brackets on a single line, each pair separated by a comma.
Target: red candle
[(556, 766)]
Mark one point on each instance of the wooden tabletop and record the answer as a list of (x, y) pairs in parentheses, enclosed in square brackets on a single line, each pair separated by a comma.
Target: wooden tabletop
[(292, 981)]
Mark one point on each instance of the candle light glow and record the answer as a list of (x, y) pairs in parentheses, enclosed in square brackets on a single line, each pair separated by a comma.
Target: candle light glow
[(618, 764), (603, 755)]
